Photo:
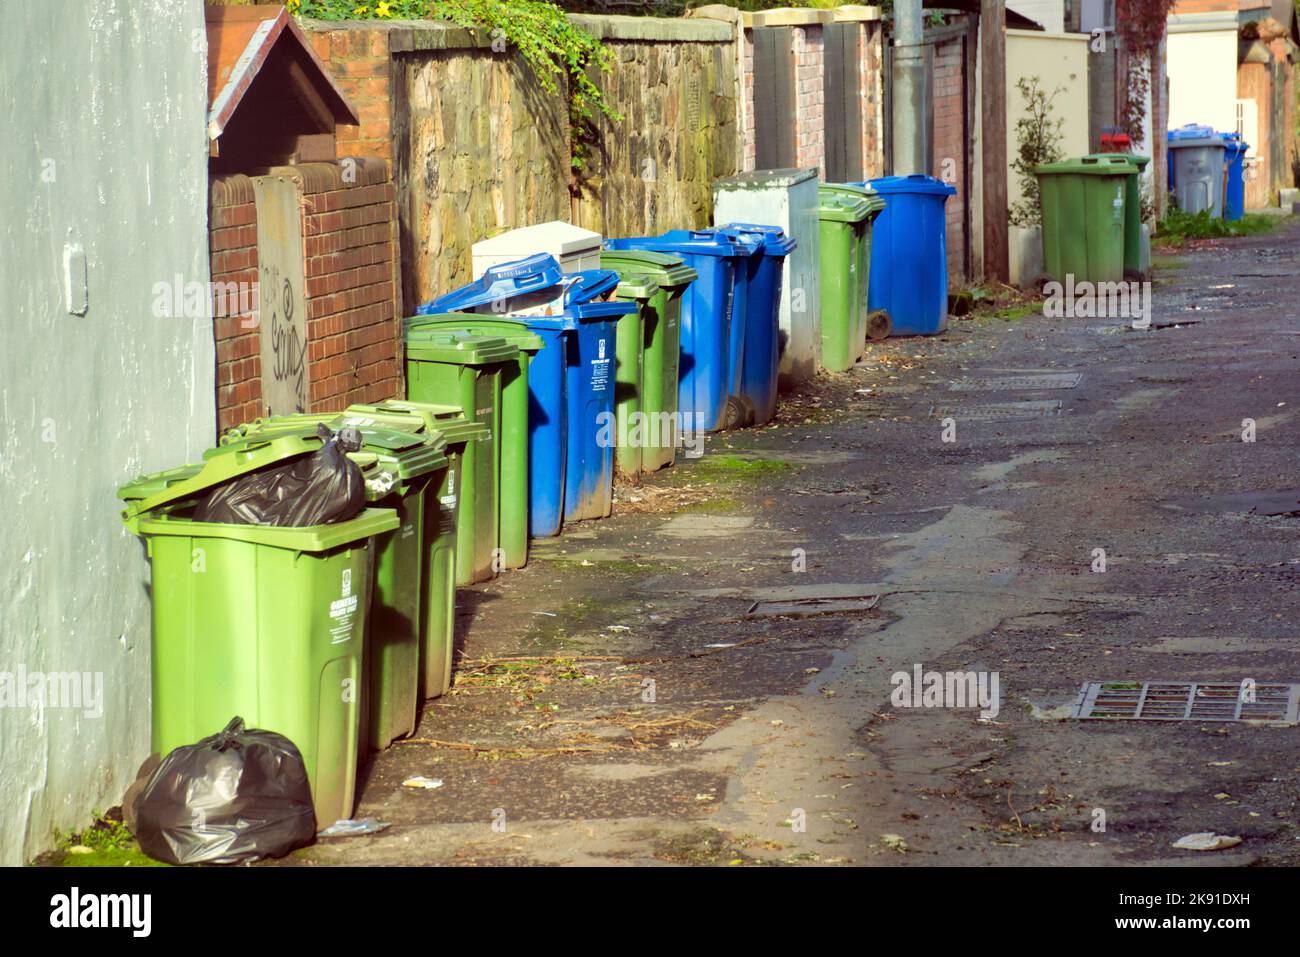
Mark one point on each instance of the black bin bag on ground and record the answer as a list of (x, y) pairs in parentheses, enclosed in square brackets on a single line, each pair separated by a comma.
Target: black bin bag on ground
[(233, 797), (316, 489)]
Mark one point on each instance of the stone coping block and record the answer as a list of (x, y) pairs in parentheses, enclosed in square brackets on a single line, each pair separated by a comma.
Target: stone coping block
[(789, 17)]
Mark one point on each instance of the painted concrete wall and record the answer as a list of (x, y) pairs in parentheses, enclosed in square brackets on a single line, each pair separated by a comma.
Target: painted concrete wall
[(1058, 60), (1050, 14), (1203, 71), (105, 148)]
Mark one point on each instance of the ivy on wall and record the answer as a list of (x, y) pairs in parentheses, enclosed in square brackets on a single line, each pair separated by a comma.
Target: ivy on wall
[(538, 31), (1139, 26)]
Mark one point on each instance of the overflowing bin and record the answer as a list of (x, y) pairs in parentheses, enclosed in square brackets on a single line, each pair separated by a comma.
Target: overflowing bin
[(909, 254), (761, 354), (267, 623), (456, 368), (648, 349), (398, 467), (1084, 217)]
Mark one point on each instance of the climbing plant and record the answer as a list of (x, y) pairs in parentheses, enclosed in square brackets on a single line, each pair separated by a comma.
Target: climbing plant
[(1139, 27), (538, 31), (1038, 141)]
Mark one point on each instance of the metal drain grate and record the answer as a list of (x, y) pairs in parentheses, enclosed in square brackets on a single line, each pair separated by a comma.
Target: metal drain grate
[(1187, 701), (1030, 383), (997, 410), (808, 607)]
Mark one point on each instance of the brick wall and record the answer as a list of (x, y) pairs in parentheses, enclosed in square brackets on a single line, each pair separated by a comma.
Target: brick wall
[(749, 131), (871, 51), (807, 49), (232, 224), (349, 252), (359, 60), (950, 143)]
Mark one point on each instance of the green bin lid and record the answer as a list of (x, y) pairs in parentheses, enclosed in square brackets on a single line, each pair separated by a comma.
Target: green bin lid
[(448, 420), (407, 453), (1098, 164), (667, 271), (1135, 162), (148, 492), (510, 328), (635, 285), (309, 538), (836, 207), (458, 348), (854, 191)]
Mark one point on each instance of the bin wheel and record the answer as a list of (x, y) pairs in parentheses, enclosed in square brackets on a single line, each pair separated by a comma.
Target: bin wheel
[(879, 325), (733, 416)]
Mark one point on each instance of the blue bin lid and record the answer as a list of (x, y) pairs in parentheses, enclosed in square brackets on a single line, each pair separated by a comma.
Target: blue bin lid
[(775, 241), (589, 284), (1190, 131), (499, 283), (916, 183), (1234, 143), (699, 242)]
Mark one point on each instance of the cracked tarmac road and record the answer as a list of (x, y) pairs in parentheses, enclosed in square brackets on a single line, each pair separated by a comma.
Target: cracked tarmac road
[(614, 706)]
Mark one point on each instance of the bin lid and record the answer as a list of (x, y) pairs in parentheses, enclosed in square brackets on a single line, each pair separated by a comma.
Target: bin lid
[(1192, 142), (696, 242), (147, 492), (876, 201), (1097, 164), (635, 285), (589, 285), (916, 183), (407, 453), (457, 348), (764, 179), (1190, 131), (837, 208), (514, 329), (665, 269), (1135, 162), (308, 538), (556, 237), (1234, 143), (499, 283), (775, 241), (448, 420)]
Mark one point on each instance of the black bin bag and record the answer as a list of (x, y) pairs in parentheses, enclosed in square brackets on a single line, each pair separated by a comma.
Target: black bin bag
[(316, 489), (235, 796)]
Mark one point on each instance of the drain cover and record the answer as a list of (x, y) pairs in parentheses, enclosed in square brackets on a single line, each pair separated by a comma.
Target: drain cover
[(1187, 701), (808, 607), (1030, 383), (998, 410)]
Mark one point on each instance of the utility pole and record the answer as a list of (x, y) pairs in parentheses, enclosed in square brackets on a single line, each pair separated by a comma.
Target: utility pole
[(993, 136), (909, 89)]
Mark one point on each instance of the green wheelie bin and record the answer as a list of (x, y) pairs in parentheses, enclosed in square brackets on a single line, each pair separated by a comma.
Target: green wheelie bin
[(512, 529), (442, 529), (648, 347), (875, 326), (842, 232), (1084, 205), (267, 623), (399, 467), (1132, 208), (456, 368)]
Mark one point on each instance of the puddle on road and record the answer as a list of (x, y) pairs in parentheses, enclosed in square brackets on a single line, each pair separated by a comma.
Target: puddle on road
[(1284, 502)]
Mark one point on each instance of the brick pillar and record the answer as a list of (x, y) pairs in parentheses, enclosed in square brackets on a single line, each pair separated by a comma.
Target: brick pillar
[(807, 48)]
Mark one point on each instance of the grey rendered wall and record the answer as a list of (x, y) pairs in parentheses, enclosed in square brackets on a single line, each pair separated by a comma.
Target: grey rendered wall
[(103, 107)]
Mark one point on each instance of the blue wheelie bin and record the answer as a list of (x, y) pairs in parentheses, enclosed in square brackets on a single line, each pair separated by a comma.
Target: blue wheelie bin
[(909, 254), (703, 375), (761, 355), (570, 380), (1234, 190)]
